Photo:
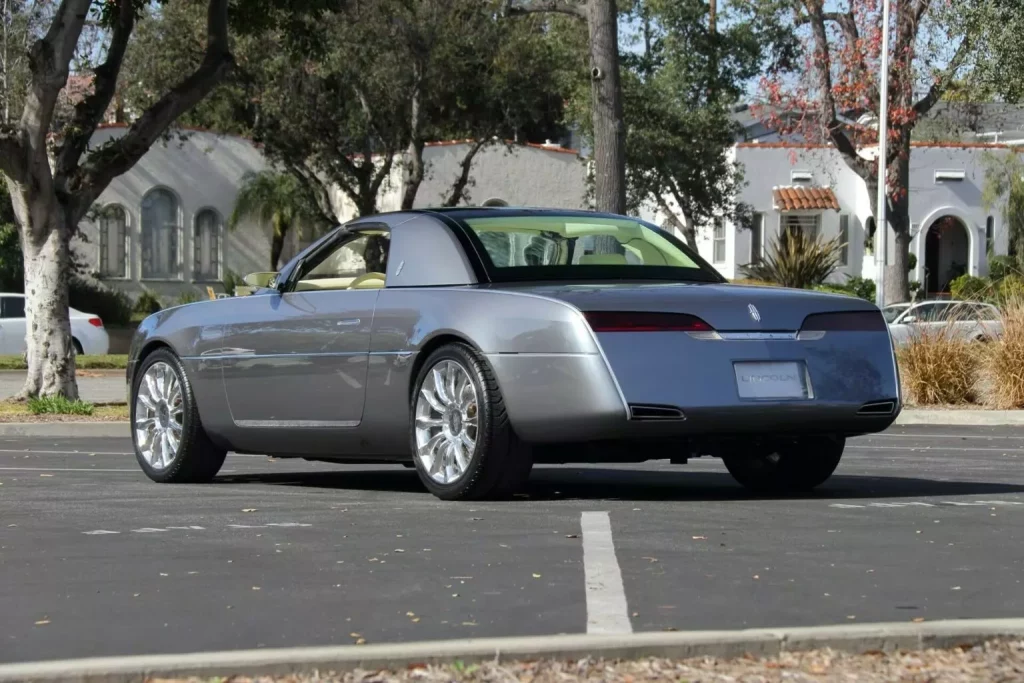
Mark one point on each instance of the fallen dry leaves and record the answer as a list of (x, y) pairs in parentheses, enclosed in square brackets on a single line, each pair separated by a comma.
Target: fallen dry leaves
[(997, 661)]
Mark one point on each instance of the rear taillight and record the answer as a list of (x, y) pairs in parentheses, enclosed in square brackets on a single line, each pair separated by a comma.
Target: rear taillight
[(847, 321), (95, 322), (628, 321)]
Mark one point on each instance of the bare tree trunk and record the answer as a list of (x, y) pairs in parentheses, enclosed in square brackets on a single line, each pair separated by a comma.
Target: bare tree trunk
[(462, 181), (51, 363), (280, 229), (609, 127), (414, 172), (684, 225)]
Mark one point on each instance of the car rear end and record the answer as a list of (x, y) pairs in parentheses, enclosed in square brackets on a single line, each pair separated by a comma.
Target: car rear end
[(727, 359), (90, 332)]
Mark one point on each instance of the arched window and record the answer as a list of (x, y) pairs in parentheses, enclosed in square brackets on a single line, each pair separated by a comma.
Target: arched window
[(160, 236), (206, 246), (990, 231), (113, 228), (495, 201)]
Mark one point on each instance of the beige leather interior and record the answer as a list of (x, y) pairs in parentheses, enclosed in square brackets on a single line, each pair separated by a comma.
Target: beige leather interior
[(603, 260), (364, 281)]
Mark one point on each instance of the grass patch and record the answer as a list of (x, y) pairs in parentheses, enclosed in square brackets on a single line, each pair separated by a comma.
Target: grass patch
[(12, 411), (58, 405), (108, 362)]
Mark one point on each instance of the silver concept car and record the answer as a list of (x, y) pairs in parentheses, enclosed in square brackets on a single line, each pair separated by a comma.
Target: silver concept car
[(472, 343)]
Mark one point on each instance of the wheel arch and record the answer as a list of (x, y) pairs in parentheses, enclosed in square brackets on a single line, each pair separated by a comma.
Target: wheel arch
[(433, 344)]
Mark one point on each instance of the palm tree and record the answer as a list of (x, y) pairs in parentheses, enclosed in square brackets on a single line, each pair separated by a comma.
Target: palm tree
[(279, 199)]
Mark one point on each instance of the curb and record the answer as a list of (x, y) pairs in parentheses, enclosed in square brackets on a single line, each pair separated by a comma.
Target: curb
[(96, 430), (961, 418), (911, 416), (859, 638)]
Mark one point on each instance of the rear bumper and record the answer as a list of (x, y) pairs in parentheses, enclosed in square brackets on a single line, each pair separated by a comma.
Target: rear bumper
[(571, 398)]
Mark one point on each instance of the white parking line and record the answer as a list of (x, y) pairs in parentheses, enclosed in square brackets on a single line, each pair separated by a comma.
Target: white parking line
[(607, 611), (87, 453), (63, 469), (936, 449)]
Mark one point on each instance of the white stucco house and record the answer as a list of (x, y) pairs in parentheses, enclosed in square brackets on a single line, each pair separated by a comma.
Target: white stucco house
[(162, 226), (809, 187)]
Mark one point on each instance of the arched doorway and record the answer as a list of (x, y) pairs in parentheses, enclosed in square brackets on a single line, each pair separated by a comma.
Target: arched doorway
[(947, 250)]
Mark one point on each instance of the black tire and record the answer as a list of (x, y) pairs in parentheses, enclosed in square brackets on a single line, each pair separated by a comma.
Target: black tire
[(796, 467), (78, 347), (197, 460), (500, 463)]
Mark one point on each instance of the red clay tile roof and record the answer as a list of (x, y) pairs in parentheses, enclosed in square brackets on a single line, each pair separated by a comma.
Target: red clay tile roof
[(804, 198)]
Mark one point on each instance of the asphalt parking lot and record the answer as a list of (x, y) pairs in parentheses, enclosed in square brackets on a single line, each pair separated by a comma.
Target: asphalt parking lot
[(918, 523)]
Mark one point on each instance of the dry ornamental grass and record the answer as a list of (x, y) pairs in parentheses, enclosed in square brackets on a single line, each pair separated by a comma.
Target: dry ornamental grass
[(990, 662), (1003, 361), (938, 368)]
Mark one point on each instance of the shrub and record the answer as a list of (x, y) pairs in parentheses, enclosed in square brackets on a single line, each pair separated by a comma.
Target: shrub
[(147, 303), (753, 283), (1003, 364), (58, 405), (862, 287), (1010, 291), (231, 280), (12, 263), (938, 367), (91, 296), (795, 260), (969, 287), (1002, 266), (188, 297), (911, 261)]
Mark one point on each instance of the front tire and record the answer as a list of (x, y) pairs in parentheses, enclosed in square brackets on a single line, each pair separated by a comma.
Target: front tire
[(463, 445), (799, 466), (170, 443)]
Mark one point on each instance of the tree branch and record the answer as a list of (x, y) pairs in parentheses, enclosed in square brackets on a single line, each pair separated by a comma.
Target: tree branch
[(935, 93), (570, 7), (49, 61), (462, 180), (13, 155), (119, 156), (89, 112), (827, 108)]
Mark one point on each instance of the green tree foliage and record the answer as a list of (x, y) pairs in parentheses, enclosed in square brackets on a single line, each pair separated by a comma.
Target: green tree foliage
[(1004, 191), (333, 96), (277, 199)]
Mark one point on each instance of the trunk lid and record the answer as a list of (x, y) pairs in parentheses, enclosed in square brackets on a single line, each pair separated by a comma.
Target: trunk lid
[(725, 307)]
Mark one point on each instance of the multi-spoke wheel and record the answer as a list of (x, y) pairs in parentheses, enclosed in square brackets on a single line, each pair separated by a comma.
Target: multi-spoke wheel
[(159, 414), (170, 443), (463, 446), (447, 422)]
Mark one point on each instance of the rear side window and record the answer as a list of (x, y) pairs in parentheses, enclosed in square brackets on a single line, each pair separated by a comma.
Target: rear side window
[(12, 307)]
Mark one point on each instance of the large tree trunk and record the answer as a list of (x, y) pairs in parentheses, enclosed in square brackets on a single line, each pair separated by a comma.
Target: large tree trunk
[(414, 172), (609, 128), (51, 363)]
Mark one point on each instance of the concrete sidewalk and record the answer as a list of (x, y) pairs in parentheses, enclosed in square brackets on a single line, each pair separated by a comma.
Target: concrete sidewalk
[(95, 386)]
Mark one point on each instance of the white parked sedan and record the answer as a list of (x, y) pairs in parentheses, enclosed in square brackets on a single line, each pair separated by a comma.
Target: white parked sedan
[(87, 331), (969, 320)]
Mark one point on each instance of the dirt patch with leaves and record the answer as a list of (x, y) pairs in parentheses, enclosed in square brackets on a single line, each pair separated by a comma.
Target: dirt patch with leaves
[(995, 661)]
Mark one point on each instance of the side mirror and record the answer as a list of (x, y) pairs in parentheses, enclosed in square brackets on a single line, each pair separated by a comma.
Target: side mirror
[(258, 280), (909, 319)]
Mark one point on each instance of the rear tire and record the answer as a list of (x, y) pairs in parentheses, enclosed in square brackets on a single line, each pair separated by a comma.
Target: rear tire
[(164, 412), (796, 467), (462, 443), (78, 347)]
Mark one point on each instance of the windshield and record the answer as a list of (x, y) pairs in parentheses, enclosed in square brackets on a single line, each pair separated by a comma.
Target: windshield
[(582, 247), (890, 313)]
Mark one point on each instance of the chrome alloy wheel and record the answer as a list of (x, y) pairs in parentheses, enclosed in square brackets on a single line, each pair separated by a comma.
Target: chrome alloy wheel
[(447, 422), (159, 413)]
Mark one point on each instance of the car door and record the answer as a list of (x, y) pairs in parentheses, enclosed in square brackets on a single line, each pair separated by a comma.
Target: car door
[(12, 325), (296, 358)]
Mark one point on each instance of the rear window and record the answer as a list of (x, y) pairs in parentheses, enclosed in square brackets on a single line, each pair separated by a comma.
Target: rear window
[(580, 247)]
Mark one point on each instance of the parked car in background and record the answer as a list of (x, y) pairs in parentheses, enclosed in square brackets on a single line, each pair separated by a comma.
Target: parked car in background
[(971, 320), (87, 331)]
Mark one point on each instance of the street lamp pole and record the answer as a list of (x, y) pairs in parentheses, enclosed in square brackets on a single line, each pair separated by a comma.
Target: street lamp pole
[(882, 223)]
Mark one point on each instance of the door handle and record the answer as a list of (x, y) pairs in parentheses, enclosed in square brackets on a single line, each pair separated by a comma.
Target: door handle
[(348, 322)]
